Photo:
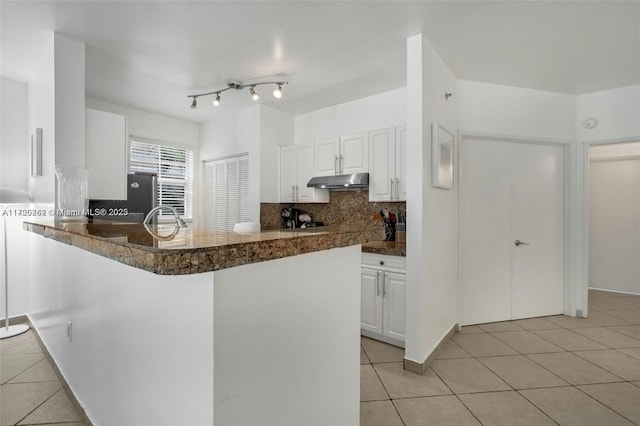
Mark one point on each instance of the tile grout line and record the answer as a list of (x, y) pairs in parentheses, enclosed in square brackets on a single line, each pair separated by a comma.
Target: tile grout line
[(387, 391), (39, 405), (456, 395), (539, 409), (602, 403)]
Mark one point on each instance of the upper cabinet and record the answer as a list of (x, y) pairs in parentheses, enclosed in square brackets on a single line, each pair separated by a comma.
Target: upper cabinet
[(387, 162), (354, 154), (106, 154), (296, 169), (344, 155)]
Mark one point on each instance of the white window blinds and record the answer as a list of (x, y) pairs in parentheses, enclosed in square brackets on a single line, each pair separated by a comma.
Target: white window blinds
[(174, 169), (226, 193)]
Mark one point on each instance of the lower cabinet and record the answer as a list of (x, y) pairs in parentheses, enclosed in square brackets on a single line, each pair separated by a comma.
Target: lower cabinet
[(383, 283)]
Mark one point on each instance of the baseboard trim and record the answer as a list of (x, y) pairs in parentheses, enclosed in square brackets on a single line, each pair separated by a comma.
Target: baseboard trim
[(20, 319), (65, 385), (375, 336), (421, 367), (608, 290)]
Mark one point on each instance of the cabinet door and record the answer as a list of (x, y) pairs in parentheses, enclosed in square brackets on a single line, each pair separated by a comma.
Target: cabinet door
[(354, 154), (287, 174), (326, 157), (371, 296), (382, 153), (304, 172), (401, 164), (393, 310), (106, 154)]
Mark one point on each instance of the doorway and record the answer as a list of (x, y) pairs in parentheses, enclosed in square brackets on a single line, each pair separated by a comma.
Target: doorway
[(511, 230), (614, 217)]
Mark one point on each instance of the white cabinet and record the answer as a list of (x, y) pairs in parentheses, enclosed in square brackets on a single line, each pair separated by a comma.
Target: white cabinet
[(383, 284), (354, 154), (344, 155), (327, 153), (106, 154), (387, 164), (287, 174), (296, 169)]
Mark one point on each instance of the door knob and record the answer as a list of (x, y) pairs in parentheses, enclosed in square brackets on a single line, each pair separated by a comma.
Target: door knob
[(519, 243)]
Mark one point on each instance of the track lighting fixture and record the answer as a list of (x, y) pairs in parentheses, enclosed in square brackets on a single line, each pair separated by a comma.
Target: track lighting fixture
[(277, 93), (254, 95)]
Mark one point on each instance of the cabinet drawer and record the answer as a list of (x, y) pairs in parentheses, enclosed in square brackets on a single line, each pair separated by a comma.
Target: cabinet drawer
[(381, 261)]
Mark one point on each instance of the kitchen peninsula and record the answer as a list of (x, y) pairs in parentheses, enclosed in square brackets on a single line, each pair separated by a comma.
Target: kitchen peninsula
[(202, 328)]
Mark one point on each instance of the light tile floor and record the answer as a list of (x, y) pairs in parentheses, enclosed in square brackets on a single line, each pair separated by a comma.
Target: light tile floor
[(30, 392), (552, 370), (539, 371)]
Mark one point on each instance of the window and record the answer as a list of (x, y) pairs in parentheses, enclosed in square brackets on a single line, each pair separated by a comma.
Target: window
[(174, 168), (226, 192)]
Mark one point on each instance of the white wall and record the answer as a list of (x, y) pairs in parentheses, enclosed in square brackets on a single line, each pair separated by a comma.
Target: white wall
[(286, 349), (153, 126), (374, 112), (617, 112), (614, 218), (15, 160), (505, 110), (432, 302), (614, 151), (69, 101), (42, 114), (276, 130), (142, 344)]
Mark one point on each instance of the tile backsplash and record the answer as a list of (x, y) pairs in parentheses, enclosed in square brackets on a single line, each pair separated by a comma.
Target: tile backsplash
[(343, 208)]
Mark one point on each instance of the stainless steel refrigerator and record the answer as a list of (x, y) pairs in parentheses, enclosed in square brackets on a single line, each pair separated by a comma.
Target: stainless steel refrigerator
[(142, 196)]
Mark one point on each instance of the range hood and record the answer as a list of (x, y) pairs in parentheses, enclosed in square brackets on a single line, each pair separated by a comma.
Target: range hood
[(343, 182)]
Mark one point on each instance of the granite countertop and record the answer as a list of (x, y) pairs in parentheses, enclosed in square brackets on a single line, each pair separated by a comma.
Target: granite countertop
[(191, 250), (389, 248)]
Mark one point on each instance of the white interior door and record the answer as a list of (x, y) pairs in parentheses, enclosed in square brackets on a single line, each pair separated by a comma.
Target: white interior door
[(537, 220), (485, 230), (509, 192)]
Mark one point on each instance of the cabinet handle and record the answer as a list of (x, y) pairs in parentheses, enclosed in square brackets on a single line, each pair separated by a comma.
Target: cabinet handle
[(341, 164), (391, 189), (384, 284), (378, 282), (297, 193), (397, 189), (336, 166), (293, 193)]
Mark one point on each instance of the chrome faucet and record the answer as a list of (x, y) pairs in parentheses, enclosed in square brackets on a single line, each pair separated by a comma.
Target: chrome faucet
[(179, 221)]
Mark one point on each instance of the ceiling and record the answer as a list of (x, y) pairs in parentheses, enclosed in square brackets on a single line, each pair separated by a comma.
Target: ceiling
[(152, 54)]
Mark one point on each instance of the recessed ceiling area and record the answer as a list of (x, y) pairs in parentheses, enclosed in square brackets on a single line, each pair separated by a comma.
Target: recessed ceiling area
[(151, 55)]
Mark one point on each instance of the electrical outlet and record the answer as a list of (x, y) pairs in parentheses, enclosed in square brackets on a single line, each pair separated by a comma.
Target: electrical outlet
[(69, 331)]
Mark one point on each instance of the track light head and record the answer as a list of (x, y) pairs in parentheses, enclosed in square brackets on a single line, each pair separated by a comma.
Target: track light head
[(216, 101), (254, 94), (278, 92), (194, 104)]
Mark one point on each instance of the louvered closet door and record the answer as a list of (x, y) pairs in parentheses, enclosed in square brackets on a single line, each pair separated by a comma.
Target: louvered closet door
[(208, 201), (226, 193), (243, 189)]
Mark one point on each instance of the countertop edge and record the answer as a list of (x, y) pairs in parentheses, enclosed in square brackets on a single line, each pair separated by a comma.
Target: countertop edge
[(204, 259)]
